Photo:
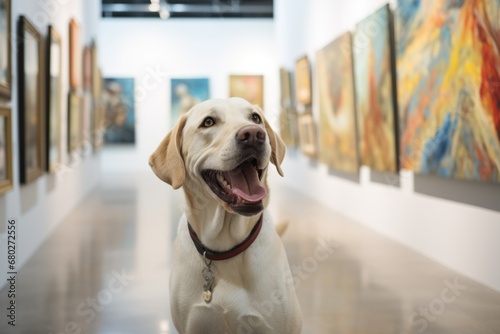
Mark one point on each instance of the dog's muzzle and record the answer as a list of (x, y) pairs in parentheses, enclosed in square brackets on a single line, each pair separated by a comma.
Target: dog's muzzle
[(241, 187)]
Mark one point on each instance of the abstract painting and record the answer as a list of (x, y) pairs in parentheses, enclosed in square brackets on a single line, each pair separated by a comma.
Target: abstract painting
[(119, 114), (375, 92), (5, 150), (185, 93), (337, 106), (53, 100), (5, 57), (30, 121), (249, 87), (303, 81), (448, 63)]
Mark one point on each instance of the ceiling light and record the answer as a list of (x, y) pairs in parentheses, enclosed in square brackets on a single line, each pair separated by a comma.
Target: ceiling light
[(164, 14), (154, 7)]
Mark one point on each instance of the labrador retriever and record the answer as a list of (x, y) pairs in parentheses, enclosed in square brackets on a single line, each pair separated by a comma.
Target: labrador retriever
[(230, 269)]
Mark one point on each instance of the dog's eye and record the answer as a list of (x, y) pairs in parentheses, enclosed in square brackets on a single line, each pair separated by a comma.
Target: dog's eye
[(208, 122), (256, 119)]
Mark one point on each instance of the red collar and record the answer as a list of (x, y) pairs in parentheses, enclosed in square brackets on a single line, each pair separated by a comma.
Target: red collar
[(225, 255)]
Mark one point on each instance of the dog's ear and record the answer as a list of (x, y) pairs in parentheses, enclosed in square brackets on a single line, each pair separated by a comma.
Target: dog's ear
[(167, 161), (278, 147)]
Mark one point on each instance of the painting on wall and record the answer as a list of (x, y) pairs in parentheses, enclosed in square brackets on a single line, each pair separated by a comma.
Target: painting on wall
[(75, 55), (185, 94), (448, 63), (5, 54), (249, 87), (75, 132), (30, 120), (376, 108), (119, 112), (53, 100), (307, 134), (5, 150), (288, 126), (338, 144), (286, 88), (303, 90)]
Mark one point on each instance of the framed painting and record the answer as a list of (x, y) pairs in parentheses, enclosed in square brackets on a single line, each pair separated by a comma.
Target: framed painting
[(307, 135), (75, 55), (338, 147), (30, 119), (5, 150), (185, 93), (248, 87), (448, 66), (5, 49), (376, 103), (87, 69), (303, 90), (74, 122), (96, 73), (288, 126), (98, 125), (286, 88), (87, 126), (53, 100), (119, 115)]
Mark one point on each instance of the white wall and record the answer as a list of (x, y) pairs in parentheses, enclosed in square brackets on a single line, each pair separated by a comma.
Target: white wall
[(41, 205), (460, 236), (180, 48)]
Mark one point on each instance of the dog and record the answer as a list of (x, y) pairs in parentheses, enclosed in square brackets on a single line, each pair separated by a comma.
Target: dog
[(230, 273)]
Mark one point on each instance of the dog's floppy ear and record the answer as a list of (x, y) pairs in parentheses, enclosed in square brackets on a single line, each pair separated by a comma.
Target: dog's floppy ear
[(167, 161), (278, 147)]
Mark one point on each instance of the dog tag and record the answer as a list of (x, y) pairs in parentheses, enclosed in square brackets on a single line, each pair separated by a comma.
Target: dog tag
[(208, 275)]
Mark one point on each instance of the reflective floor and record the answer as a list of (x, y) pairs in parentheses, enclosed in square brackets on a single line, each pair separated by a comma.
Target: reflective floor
[(105, 270)]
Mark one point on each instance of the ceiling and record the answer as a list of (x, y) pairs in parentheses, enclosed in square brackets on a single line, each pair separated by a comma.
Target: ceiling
[(157, 9)]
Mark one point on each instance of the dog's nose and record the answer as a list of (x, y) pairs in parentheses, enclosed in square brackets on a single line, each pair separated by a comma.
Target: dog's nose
[(251, 135)]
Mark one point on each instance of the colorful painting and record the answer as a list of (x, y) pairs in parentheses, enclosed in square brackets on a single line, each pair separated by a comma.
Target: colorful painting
[(5, 57), (303, 81), (185, 93), (375, 92), (337, 106), (448, 61), (30, 121), (119, 115), (249, 87)]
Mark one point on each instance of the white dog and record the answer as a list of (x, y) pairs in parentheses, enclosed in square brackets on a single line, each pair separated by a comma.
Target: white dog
[(230, 268)]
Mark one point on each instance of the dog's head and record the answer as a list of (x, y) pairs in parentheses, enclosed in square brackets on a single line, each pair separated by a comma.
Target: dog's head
[(222, 147)]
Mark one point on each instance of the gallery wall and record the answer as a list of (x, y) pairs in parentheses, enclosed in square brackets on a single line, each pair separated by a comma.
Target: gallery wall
[(187, 48), (456, 223), (39, 206)]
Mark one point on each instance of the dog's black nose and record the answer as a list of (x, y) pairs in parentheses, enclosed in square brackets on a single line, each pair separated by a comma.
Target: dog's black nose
[(251, 135)]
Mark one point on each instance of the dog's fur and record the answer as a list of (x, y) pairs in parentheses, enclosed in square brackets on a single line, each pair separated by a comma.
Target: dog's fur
[(252, 292)]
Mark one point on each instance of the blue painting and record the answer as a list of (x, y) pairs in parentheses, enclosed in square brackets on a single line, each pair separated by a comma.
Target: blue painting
[(185, 94), (119, 116)]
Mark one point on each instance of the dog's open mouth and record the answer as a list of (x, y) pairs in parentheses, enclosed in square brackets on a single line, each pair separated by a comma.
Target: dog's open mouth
[(241, 187)]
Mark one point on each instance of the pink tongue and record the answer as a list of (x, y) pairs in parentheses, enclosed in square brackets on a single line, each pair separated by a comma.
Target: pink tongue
[(245, 183)]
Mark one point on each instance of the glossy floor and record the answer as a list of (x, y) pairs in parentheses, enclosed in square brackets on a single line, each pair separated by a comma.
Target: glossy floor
[(105, 270)]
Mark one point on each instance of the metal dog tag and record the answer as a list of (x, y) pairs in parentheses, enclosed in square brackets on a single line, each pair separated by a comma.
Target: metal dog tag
[(208, 275)]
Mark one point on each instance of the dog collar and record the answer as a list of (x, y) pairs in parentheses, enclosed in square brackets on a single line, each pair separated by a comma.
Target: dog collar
[(225, 255)]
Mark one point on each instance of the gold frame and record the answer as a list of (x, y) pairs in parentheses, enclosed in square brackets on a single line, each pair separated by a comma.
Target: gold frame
[(7, 184), (53, 38), (307, 135), (6, 90), (25, 26), (303, 81)]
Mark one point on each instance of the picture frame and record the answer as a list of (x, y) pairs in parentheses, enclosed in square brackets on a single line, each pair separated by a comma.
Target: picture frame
[(185, 93), (120, 111), (74, 123), (53, 100), (5, 49), (248, 87), (30, 114), (303, 87), (286, 88), (75, 55), (6, 178), (87, 68), (97, 79), (98, 125), (307, 135)]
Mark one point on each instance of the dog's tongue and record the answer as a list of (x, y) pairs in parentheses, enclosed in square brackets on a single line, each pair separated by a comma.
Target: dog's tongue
[(245, 183)]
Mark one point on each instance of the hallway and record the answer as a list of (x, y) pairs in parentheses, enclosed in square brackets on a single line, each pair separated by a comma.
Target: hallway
[(105, 270)]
